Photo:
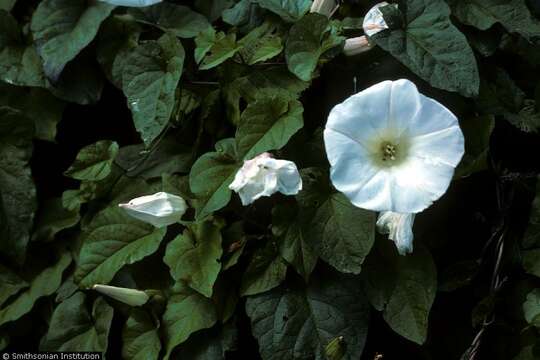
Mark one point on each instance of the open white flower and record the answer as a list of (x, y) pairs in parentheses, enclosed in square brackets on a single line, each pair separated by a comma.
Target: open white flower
[(399, 229), (264, 176), (160, 209), (374, 21), (132, 3), (131, 297), (391, 148)]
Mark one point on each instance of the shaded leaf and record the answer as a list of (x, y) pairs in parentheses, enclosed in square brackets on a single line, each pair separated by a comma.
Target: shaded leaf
[(10, 284), (298, 322), (111, 240), (62, 28), (194, 256), (140, 337), (53, 218), (288, 10), (94, 161), (72, 328)]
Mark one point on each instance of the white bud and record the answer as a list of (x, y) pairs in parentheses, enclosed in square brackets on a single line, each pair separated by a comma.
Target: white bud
[(132, 3), (323, 7), (264, 176), (399, 229), (130, 297), (374, 21), (357, 45), (160, 209)]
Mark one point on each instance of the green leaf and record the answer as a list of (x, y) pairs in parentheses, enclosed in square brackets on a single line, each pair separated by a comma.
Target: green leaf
[(53, 218), (187, 312), (10, 284), (298, 322), (17, 190), (265, 271), (341, 233), (531, 261), (140, 337), (209, 344), (72, 328), (499, 95), (288, 10), (531, 308), (267, 124), (149, 80), (110, 241), (7, 4), (514, 15), (37, 104), (212, 9), (433, 48), (294, 246), (238, 14), (222, 48), (19, 64), (117, 37), (477, 131), (403, 287), (94, 161), (532, 234), (211, 176), (308, 40), (176, 19), (62, 28), (260, 44), (44, 284), (194, 256)]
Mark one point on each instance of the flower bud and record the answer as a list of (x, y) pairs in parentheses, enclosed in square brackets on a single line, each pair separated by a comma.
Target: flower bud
[(323, 7), (357, 45), (264, 176), (399, 229), (130, 297), (160, 209), (132, 3)]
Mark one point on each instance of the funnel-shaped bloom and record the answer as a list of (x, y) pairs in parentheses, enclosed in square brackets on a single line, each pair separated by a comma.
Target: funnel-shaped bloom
[(131, 297), (374, 21), (399, 229), (391, 148), (132, 3), (160, 209), (264, 176)]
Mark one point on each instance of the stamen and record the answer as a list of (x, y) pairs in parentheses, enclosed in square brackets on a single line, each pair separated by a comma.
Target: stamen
[(389, 151)]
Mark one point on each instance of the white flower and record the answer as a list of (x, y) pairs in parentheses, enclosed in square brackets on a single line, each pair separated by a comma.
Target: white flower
[(399, 229), (357, 45), (160, 209), (132, 3), (324, 7), (263, 176), (131, 297), (391, 148), (374, 21)]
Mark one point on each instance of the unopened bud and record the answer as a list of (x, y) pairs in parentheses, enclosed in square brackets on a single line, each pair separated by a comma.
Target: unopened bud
[(130, 297), (357, 45), (323, 7), (160, 209)]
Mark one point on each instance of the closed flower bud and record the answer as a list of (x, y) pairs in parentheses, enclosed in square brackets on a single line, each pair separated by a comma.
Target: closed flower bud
[(374, 21), (264, 176), (132, 3), (160, 209), (323, 7), (130, 297), (357, 45)]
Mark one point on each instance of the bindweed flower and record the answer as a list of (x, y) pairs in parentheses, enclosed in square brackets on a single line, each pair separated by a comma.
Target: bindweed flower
[(160, 209), (374, 21), (264, 176), (391, 148), (357, 45), (132, 3), (131, 297), (399, 229), (324, 7)]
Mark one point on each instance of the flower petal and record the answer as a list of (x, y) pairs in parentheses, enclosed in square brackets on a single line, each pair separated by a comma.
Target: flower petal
[(399, 229), (363, 116)]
